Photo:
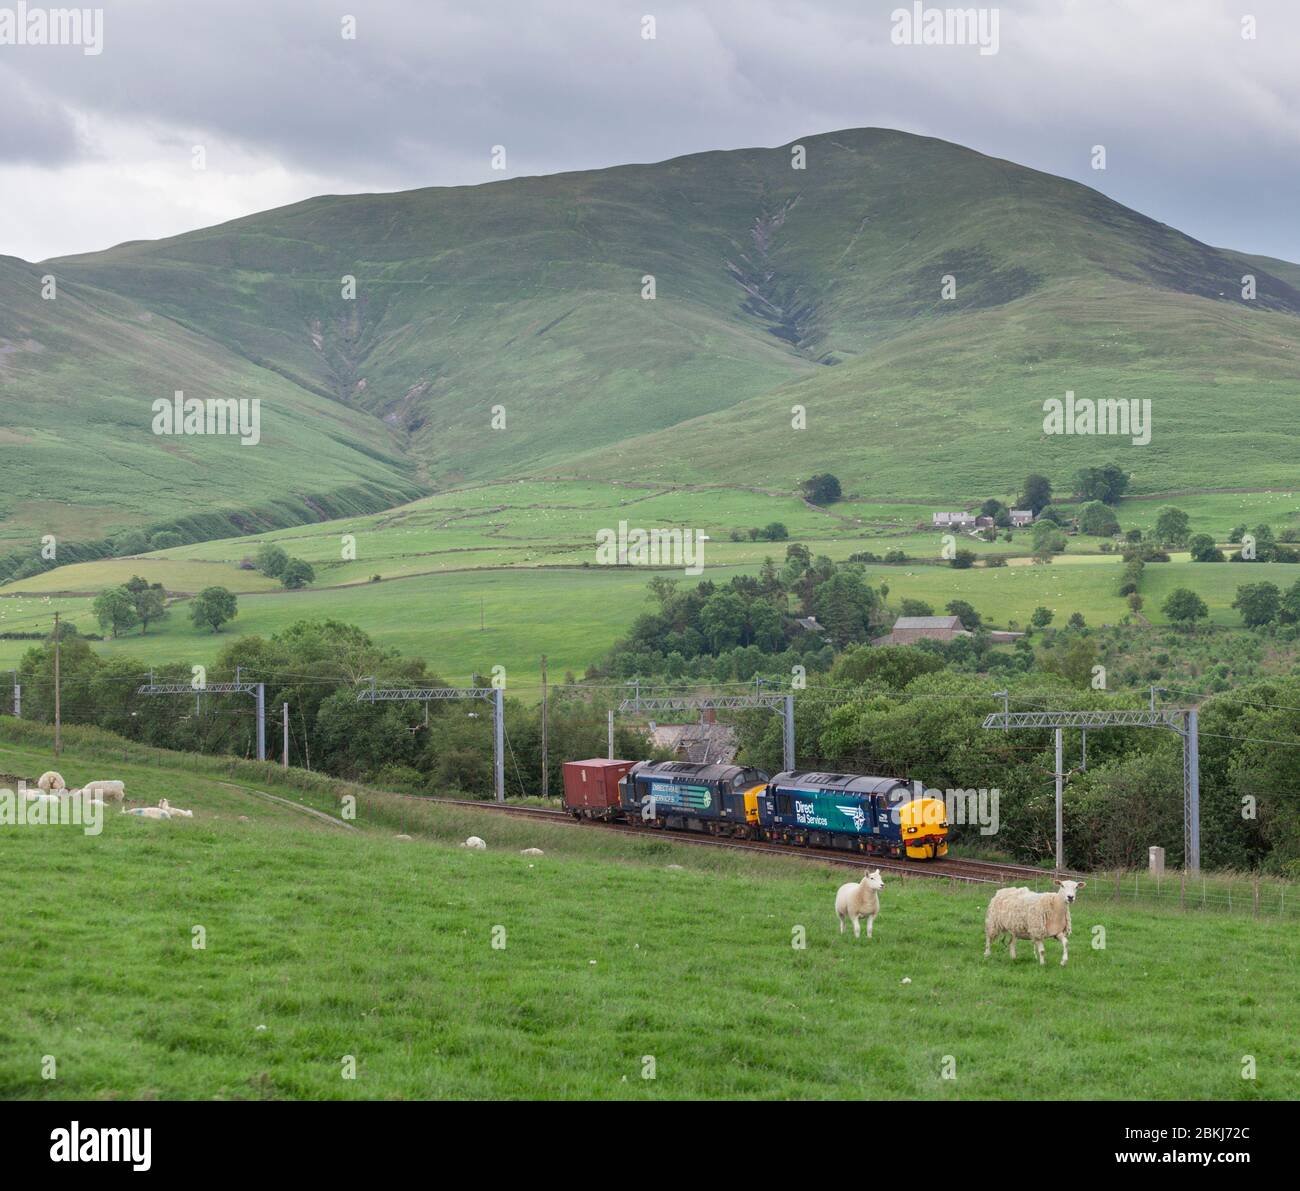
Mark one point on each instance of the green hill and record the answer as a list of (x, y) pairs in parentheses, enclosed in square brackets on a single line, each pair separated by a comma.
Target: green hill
[(775, 286), (78, 376)]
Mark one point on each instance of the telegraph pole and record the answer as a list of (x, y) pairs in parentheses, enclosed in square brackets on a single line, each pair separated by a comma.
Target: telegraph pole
[(58, 717), (545, 775), (284, 718), (1060, 821), (611, 733), (18, 696)]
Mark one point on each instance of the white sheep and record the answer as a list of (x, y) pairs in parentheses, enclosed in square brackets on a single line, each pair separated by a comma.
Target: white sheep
[(474, 842), (41, 796), (174, 811), (51, 780), (859, 899), (531, 852), (113, 791), (147, 812), (1024, 914)]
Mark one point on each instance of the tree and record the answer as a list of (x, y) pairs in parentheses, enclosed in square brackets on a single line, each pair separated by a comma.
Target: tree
[(1135, 601), (150, 601), (1289, 608), (114, 608), (1258, 603), (1106, 484), (166, 540), (1038, 493), (775, 531), (1076, 620), (910, 607), (1048, 540), (963, 560), (149, 607), (271, 559), (213, 607), (1185, 607), (1098, 520), (843, 605), (297, 573), (970, 619), (1172, 526), (823, 489), (1203, 548), (798, 554), (1041, 618)]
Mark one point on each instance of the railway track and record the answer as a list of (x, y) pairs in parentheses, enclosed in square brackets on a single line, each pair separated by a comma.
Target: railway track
[(969, 872)]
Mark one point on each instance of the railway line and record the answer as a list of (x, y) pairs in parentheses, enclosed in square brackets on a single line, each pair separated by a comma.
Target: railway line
[(970, 872)]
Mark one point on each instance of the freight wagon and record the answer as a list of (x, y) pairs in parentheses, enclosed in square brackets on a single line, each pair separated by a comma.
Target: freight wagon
[(591, 788)]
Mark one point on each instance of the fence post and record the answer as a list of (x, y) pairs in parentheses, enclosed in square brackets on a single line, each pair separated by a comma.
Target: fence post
[(1182, 890), (1256, 909)]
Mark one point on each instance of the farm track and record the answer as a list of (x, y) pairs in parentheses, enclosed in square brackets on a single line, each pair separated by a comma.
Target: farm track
[(970, 872)]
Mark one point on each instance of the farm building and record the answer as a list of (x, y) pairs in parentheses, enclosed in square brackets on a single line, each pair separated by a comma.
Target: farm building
[(706, 742), (953, 520), (1021, 517), (909, 629)]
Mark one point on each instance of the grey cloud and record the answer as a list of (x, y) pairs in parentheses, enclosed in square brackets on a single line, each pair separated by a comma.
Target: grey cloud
[(1200, 126)]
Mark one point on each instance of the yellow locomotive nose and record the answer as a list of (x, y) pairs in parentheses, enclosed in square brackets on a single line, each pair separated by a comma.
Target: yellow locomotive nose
[(924, 826)]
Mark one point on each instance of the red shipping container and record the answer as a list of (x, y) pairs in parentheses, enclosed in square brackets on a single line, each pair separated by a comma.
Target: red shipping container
[(591, 787)]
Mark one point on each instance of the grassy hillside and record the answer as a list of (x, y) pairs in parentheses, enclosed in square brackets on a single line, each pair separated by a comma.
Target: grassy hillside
[(526, 294), (78, 376), (321, 943)]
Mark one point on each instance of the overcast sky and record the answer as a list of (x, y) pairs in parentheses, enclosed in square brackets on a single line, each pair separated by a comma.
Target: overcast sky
[(1201, 125)]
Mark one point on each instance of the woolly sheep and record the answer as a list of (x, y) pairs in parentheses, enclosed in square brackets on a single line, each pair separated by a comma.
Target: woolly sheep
[(859, 899), (174, 811), (51, 780), (474, 842), (113, 791), (1024, 914), (148, 812), (40, 796), (532, 852)]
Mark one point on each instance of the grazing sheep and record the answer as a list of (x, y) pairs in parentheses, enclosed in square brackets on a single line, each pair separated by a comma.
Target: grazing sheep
[(532, 852), (113, 791), (1023, 914), (174, 811), (147, 812), (474, 842), (50, 780), (859, 899)]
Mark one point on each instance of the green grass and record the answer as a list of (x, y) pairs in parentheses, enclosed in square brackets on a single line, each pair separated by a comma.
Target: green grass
[(358, 944)]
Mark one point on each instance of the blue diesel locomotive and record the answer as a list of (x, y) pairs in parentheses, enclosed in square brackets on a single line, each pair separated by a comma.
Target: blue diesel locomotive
[(878, 816)]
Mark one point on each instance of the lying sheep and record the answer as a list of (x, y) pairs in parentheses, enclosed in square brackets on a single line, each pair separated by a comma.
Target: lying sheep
[(1024, 914), (474, 842), (51, 780), (859, 899), (531, 852), (41, 796), (148, 812), (174, 811), (113, 791)]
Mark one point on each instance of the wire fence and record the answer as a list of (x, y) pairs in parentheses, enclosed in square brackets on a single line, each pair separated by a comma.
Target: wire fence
[(1232, 893)]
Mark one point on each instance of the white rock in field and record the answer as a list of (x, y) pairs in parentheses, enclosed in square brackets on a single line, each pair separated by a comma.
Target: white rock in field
[(474, 842), (676, 868), (401, 836), (906, 980)]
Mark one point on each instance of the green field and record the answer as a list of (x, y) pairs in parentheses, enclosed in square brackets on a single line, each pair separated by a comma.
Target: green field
[(322, 943), (511, 558)]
